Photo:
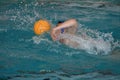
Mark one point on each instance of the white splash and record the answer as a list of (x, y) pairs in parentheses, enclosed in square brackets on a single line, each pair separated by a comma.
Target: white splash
[(38, 39), (93, 42)]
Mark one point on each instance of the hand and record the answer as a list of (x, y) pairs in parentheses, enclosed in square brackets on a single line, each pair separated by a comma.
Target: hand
[(53, 34)]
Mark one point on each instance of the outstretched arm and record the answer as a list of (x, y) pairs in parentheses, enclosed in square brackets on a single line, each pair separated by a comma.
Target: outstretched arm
[(66, 24)]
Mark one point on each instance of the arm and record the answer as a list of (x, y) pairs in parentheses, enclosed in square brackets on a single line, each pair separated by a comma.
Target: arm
[(66, 24)]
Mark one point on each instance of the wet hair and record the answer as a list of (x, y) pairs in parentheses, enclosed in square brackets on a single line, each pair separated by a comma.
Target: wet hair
[(60, 22)]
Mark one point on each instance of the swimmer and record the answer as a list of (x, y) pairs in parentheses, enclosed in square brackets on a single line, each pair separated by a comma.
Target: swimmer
[(62, 27), (69, 27)]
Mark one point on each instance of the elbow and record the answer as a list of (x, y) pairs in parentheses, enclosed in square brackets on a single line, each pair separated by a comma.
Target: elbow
[(74, 21)]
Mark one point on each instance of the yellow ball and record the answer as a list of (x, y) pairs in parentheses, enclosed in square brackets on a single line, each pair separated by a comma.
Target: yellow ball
[(41, 26)]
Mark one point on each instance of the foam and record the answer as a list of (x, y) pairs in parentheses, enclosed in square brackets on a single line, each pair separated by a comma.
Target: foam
[(94, 42), (38, 39)]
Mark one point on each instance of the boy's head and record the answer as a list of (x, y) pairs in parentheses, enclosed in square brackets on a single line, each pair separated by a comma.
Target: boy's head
[(59, 22)]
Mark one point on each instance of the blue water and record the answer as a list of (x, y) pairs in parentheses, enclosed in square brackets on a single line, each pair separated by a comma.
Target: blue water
[(25, 56)]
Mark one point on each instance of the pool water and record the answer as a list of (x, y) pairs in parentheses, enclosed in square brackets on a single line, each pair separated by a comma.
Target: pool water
[(26, 56)]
